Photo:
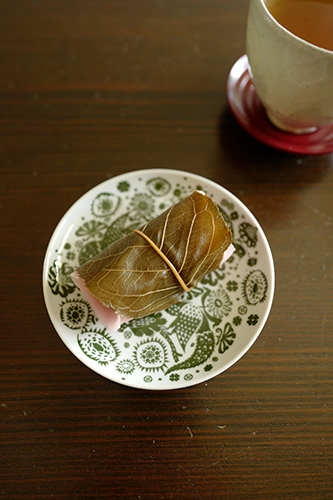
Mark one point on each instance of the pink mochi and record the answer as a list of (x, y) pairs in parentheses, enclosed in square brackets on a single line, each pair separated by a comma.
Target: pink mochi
[(106, 315)]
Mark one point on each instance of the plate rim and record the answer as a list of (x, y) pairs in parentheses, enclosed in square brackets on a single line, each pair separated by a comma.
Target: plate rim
[(160, 171)]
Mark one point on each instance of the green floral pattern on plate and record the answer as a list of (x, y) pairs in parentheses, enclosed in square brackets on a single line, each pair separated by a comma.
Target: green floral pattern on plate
[(192, 341)]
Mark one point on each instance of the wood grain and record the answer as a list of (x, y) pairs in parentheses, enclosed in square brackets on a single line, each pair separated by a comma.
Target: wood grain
[(92, 89)]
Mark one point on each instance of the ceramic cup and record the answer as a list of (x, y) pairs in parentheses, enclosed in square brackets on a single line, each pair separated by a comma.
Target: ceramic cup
[(293, 78)]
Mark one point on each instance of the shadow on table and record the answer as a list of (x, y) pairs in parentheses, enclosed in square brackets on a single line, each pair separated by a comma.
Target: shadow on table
[(254, 162)]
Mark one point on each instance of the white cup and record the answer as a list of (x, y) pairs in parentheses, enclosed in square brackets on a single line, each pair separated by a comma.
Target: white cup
[(292, 77)]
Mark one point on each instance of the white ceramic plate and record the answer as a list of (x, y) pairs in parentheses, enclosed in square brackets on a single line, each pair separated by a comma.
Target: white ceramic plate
[(200, 337)]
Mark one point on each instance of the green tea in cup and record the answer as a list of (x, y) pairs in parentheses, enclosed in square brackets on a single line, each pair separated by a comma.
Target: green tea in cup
[(289, 45), (311, 20)]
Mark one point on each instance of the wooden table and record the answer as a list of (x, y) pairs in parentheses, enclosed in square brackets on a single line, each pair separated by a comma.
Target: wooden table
[(92, 89)]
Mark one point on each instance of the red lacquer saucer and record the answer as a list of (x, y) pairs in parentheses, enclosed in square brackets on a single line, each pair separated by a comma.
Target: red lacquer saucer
[(250, 113)]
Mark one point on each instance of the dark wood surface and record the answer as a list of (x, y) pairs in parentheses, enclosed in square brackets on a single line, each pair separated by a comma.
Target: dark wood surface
[(94, 88)]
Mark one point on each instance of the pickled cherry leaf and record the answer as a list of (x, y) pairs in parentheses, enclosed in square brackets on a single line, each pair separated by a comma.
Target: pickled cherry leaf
[(131, 277)]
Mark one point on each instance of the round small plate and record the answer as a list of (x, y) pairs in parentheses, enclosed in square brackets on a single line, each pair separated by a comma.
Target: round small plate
[(191, 342), (250, 113)]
